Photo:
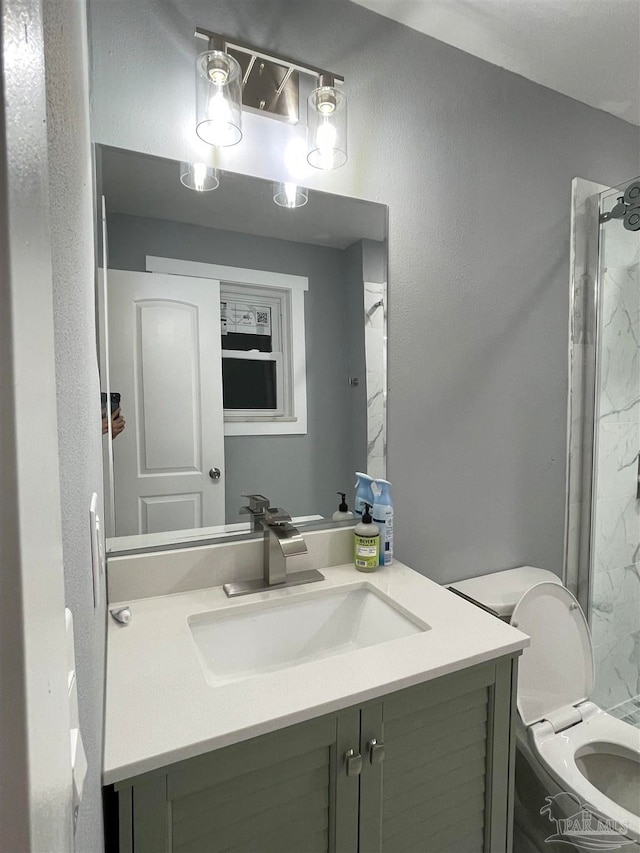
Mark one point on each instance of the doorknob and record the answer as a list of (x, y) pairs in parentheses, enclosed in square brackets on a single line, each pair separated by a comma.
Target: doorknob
[(214, 473)]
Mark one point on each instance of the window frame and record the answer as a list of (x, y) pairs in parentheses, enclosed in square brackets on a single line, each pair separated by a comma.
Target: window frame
[(275, 299)]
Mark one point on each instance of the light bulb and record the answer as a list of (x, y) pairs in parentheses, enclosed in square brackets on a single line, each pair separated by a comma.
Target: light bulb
[(199, 175), (327, 101), (327, 128), (219, 116), (218, 76), (325, 143), (290, 195), (327, 107), (218, 99), (290, 191)]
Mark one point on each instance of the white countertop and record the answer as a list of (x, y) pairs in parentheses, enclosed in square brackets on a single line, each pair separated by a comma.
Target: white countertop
[(160, 709)]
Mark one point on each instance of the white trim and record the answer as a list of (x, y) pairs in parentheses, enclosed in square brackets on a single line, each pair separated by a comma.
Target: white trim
[(296, 285), (175, 266), (105, 361)]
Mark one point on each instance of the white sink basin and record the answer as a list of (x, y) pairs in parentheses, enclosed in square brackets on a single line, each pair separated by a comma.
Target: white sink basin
[(274, 635)]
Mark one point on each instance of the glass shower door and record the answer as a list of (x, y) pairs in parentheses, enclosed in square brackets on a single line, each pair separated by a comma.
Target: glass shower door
[(615, 529)]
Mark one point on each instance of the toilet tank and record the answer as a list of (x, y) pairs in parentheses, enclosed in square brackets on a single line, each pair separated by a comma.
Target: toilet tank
[(501, 591)]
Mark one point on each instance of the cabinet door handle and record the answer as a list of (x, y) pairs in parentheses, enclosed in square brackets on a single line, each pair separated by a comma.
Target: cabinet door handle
[(353, 762), (376, 751)]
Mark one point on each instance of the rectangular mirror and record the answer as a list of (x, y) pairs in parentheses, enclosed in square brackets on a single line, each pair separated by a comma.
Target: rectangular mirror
[(243, 343)]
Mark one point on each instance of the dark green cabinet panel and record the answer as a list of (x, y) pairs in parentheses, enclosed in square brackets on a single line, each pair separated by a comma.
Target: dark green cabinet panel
[(279, 793), (436, 775), (447, 776)]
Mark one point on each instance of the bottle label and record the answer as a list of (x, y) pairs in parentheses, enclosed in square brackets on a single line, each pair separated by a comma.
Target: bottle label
[(366, 552), (383, 517)]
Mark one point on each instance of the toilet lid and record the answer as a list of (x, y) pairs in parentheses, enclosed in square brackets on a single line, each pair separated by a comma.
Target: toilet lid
[(556, 670)]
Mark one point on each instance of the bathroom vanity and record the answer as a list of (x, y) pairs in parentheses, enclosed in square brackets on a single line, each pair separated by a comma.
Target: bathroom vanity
[(426, 768), (364, 713)]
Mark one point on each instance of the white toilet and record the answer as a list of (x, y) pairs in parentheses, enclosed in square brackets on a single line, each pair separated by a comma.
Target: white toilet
[(577, 767)]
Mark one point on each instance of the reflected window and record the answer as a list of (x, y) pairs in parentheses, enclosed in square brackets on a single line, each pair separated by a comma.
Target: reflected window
[(256, 360)]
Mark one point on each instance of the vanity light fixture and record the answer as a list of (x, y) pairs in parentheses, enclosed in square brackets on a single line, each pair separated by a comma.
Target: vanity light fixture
[(218, 95), (232, 77), (327, 125), (290, 195), (199, 177)]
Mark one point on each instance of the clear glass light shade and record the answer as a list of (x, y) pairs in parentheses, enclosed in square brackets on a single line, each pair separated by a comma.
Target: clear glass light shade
[(199, 177), (218, 98), (327, 128), (290, 195)]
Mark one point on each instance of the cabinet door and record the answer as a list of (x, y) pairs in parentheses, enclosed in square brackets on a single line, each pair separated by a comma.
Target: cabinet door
[(437, 777), (286, 792)]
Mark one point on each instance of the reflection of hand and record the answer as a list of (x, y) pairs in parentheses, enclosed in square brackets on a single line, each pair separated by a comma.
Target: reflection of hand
[(117, 424)]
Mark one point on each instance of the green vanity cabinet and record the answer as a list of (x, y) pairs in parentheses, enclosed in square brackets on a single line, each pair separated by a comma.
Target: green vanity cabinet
[(425, 769)]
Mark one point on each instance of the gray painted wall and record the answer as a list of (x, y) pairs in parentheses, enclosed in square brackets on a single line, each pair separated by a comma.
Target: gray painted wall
[(299, 472), (476, 165), (374, 261), (77, 385)]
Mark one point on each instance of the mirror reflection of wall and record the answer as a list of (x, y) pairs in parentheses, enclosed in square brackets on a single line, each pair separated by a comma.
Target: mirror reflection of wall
[(245, 339)]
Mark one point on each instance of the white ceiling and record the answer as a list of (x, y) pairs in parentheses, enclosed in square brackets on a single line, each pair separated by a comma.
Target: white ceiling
[(587, 49)]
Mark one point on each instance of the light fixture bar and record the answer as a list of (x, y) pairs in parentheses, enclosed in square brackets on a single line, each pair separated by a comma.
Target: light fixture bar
[(280, 89), (215, 41), (252, 62), (285, 80), (247, 48), (326, 80)]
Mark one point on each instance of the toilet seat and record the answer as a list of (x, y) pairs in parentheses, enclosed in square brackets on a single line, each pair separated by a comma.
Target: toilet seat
[(555, 681), (556, 672), (557, 752)]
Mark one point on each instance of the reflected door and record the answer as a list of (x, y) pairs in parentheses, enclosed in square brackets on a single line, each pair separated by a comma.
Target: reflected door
[(164, 342)]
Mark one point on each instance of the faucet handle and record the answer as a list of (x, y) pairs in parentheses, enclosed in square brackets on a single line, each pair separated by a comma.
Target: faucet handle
[(257, 504)]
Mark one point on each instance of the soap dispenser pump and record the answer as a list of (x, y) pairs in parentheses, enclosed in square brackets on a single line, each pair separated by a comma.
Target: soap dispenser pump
[(343, 513)]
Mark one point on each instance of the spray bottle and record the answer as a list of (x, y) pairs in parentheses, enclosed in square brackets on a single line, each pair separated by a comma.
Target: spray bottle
[(363, 492), (383, 517)]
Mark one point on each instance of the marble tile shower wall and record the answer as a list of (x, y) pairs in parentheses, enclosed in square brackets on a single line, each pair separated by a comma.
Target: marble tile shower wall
[(375, 299), (615, 610)]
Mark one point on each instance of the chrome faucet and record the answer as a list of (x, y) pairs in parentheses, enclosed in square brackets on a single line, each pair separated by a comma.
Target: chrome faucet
[(281, 541)]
